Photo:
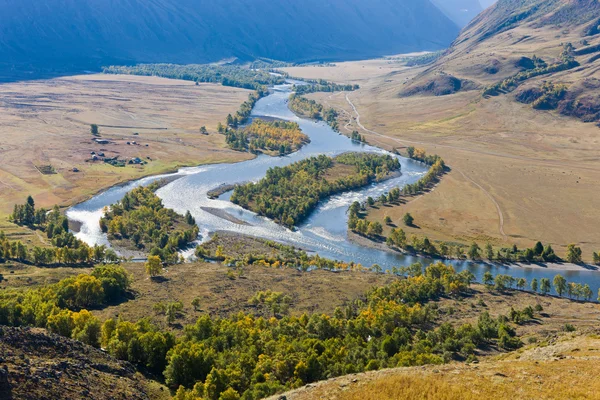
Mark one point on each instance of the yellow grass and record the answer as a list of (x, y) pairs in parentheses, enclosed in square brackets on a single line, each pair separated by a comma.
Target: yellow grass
[(565, 369), (47, 122)]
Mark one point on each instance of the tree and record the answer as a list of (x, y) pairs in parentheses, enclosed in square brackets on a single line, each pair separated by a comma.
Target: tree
[(94, 129), (560, 284), (488, 278), (203, 130), (153, 266), (408, 219), (387, 220), (196, 303), (574, 254), (538, 249), (534, 285), (370, 201), (489, 251), (474, 251), (521, 283), (596, 258), (587, 292), (545, 286)]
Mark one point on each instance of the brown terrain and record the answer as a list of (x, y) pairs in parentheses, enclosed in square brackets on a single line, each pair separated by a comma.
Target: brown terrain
[(47, 123), (518, 174), (35, 364)]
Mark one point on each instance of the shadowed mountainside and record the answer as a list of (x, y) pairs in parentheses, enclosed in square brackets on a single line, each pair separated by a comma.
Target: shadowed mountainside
[(90, 33)]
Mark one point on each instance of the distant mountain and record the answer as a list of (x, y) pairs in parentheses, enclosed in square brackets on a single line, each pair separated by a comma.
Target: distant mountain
[(545, 53), (459, 11), (92, 33)]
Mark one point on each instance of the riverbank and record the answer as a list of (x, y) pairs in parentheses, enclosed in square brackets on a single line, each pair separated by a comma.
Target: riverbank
[(381, 245)]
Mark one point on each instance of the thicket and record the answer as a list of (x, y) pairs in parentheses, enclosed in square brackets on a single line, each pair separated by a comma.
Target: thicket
[(141, 218), (275, 136), (227, 75), (288, 194), (62, 307)]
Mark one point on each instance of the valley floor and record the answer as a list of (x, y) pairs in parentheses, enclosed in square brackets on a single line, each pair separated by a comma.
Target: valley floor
[(45, 133), (516, 175)]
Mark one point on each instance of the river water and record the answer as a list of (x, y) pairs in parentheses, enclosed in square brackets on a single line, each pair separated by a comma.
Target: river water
[(324, 232)]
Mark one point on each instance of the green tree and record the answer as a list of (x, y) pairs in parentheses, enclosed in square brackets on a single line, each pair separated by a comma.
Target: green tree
[(387, 220), (94, 129), (474, 251), (574, 254), (153, 266), (408, 219), (534, 285), (488, 278), (545, 286), (560, 284), (489, 251)]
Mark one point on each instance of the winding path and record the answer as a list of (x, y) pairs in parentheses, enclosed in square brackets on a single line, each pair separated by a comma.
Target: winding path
[(488, 194)]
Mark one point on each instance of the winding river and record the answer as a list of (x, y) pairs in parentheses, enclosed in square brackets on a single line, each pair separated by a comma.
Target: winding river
[(324, 232)]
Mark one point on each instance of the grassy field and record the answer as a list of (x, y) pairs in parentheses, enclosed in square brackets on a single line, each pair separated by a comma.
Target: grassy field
[(47, 122), (517, 175)]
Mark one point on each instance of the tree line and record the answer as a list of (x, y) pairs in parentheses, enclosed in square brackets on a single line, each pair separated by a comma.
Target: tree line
[(141, 219), (227, 75), (288, 194), (311, 109)]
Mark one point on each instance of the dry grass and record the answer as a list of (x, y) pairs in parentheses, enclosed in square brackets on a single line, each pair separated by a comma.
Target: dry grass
[(47, 122), (564, 369), (317, 291)]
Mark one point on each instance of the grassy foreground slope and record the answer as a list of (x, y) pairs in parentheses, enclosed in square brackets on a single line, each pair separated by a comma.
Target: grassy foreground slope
[(518, 174), (562, 369)]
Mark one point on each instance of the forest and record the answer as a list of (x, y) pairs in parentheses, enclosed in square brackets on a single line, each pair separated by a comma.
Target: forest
[(278, 137), (227, 75), (289, 194), (140, 219), (248, 357)]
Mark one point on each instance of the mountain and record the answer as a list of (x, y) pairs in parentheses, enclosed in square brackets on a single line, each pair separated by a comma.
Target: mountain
[(544, 53), (92, 33), (459, 11)]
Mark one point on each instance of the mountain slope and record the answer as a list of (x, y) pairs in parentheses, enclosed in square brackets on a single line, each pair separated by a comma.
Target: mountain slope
[(541, 52), (40, 365), (91, 33)]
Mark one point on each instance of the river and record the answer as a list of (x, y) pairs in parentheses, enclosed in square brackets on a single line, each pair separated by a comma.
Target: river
[(324, 232)]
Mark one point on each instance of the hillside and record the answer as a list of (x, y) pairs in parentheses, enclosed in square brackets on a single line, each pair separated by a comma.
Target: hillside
[(538, 52), (65, 34), (562, 368), (40, 365)]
